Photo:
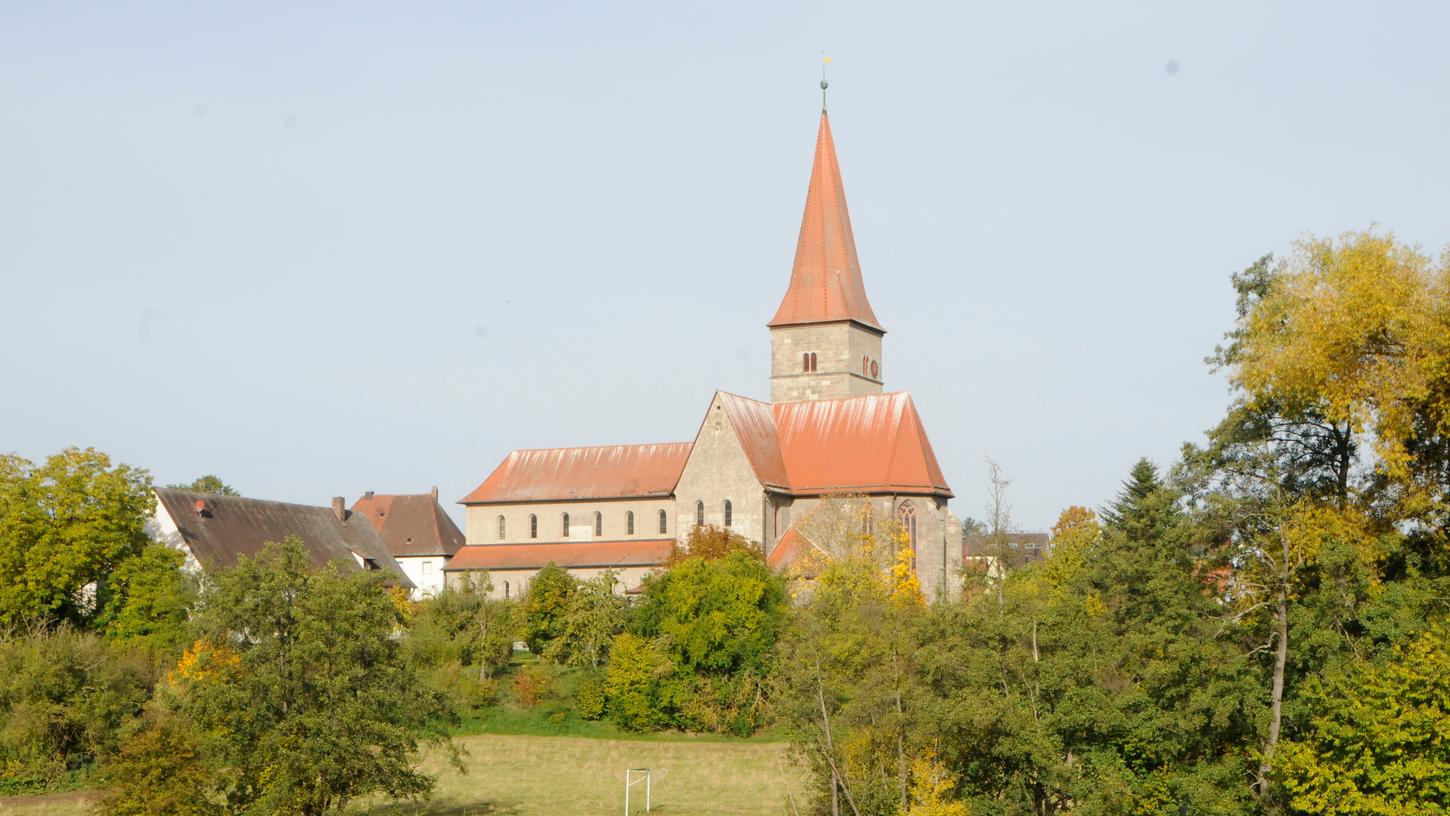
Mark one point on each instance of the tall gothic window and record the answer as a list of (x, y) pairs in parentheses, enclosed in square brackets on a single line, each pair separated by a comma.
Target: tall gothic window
[(906, 515), (598, 524), (564, 523), (664, 522), (865, 365), (813, 361), (533, 526), (500, 528), (699, 514), (729, 515), (629, 523)]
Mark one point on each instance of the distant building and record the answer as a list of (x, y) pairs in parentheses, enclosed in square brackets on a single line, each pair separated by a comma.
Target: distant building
[(987, 554), (754, 467), (418, 533), (214, 531)]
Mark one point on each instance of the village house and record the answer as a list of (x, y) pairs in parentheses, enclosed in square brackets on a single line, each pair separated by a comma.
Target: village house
[(416, 531), (214, 531), (755, 467)]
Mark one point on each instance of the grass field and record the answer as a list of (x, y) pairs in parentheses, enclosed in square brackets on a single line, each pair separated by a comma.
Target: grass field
[(518, 775)]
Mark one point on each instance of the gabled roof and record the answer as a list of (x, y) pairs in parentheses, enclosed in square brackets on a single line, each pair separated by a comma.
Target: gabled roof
[(825, 281), (868, 444), (221, 529), (410, 524), (646, 553), (606, 472)]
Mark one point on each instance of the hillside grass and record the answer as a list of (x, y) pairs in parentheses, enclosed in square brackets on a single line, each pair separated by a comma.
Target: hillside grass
[(524, 774)]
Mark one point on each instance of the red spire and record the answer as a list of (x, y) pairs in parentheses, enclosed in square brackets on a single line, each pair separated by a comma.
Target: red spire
[(825, 283)]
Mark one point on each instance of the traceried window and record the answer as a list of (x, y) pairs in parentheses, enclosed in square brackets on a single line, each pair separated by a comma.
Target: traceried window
[(564, 524), (906, 515), (533, 526), (629, 523), (500, 528), (664, 522), (598, 524), (699, 514), (729, 513)]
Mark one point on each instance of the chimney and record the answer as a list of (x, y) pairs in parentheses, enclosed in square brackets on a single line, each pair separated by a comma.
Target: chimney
[(435, 493), (339, 509), (368, 495)]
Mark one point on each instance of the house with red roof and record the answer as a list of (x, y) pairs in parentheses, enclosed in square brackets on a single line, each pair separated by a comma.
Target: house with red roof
[(416, 531), (755, 467)]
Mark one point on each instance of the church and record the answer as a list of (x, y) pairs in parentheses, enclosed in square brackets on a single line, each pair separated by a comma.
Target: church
[(756, 468)]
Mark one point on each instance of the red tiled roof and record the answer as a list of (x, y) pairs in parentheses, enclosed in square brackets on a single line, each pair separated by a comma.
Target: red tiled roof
[(868, 444), (607, 472), (874, 443), (591, 554), (825, 281), (411, 523)]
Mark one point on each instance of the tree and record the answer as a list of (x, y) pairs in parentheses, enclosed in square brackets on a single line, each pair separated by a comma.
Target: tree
[(711, 543), (463, 624), (210, 483), (151, 600), (594, 615), (1375, 740), (300, 690), (545, 605), (64, 527)]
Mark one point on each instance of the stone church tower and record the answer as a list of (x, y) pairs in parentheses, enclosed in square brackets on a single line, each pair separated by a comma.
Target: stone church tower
[(825, 341)]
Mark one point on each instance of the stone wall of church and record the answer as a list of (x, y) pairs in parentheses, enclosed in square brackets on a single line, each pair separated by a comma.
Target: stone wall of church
[(482, 521), (718, 470), (844, 354), (512, 583), (938, 537)]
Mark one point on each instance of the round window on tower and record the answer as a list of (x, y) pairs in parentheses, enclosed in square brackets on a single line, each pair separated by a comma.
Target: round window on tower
[(875, 370)]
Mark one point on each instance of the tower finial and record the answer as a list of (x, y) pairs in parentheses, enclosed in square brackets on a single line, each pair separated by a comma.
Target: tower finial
[(825, 60)]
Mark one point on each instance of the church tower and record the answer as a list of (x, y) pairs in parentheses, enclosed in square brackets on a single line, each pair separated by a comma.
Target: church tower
[(825, 341)]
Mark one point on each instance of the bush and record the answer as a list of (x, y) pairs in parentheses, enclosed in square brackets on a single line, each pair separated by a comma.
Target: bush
[(64, 698), (159, 769), (590, 699), (633, 683), (532, 684)]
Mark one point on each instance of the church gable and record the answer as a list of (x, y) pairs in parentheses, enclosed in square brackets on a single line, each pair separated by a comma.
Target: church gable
[(720, 470)]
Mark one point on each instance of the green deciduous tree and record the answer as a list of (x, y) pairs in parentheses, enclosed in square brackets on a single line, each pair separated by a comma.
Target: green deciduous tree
[(1375, 741), (64, 526), (463, 624), (545, 604), (151, 600), (594, 614), (210, 483), (299, 690)]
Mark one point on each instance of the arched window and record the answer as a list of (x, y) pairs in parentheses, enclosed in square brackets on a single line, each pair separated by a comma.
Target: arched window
[(598, 524), (533, 526), (564, 523), (699, 514), (505, 589), (664, 523), (865, 365), (729, 515), (629, 523), (805, 362), (813, 361), (500, 528), (906, 515)]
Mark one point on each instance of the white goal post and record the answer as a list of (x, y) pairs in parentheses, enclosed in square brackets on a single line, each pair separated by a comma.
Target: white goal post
[(632, 777)]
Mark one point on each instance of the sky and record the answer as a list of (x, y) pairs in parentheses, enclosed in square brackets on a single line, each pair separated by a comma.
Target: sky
[(319, 249)]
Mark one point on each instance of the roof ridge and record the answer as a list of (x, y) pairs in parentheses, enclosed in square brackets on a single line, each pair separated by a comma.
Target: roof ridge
[(245, 498), (598, 447)]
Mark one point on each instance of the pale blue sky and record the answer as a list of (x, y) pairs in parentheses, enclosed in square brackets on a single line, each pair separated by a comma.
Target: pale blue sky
[(319, 250)]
